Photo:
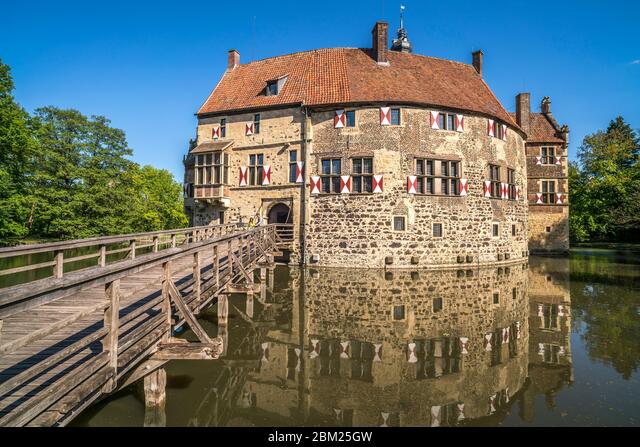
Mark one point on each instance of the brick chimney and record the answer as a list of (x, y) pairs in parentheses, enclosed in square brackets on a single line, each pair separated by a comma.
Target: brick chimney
[(380, 40), (523, 111), (545, 106), (233, 59), (477, 61)]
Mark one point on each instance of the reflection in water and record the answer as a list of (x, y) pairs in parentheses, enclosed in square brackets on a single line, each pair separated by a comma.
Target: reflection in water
[(344, 347)]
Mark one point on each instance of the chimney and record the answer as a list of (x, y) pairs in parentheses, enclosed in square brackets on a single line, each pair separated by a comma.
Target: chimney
[(380, 42), (523, 111), (546, 105), (233, 59), (477, 61)]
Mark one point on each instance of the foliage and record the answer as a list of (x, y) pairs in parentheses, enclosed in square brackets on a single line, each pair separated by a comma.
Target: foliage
[(66, 175), (604, 185)]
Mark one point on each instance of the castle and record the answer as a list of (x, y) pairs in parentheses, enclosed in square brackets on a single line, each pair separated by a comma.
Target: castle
[(379, 157)]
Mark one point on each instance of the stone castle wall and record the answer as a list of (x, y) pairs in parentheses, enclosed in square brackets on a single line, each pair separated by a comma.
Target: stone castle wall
[(356, 229)]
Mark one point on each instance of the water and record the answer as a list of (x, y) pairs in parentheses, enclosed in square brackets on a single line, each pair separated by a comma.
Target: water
[(385, 348)]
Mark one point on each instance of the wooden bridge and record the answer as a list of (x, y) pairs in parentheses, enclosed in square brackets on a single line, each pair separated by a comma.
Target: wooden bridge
[(90, 316)]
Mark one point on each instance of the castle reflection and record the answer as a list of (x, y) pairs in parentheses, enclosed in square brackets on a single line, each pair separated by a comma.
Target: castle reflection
[(373, 348)]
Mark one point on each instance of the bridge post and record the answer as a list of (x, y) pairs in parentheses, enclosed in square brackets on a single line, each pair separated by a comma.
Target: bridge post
[(173, 241), (196, 280), (216, 266), (155, 244), (132, 249), (58, 268), (166, 299), (223, 309), (112, 323), (155, 398), (102, 259), (229, 259)]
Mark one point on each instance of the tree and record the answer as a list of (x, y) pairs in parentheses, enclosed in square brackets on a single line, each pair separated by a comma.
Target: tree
[(17, 148), (160, 203), (604, 185)]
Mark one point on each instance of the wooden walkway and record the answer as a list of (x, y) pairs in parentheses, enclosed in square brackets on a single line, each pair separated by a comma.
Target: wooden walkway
[(69, 339)]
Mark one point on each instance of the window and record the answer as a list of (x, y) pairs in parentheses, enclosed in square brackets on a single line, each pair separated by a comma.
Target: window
[(272, 88), (496, 298), (494, 176), (255, 169), (395, 117), (362, 175), (330, 175), (447, 179), (547, 155), (223, 127), (398, 312), (496, 230), (351, 118), (256, 123), (293, 159), (437, 304), (212, 168), (498, 131), (513, 229), (548, 191), (548, 229), (446, 121), (437, 230), (399, 223), (514, 293), (511, 180)]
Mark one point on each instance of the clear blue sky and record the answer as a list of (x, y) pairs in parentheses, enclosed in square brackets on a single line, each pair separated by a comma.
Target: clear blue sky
[(148, 66)]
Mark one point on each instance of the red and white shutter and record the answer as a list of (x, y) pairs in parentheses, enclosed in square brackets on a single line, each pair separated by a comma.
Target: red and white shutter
[(561, 310), (412, 184), (411, 353), (385, 116), (264, 347), (314, 348), (558, 160), (266, 175), (464, 345), (244, 171), (434, 120), (464, 187), (539, 198), (504, 190), (538, 160), (344, 349), (505, 335), (460, 123), (315, 184), (378, 352), (487, 188), (540, 310), (377, 183), (435, 416), (491, 128), (518, 332), (517, 192), (339, 119), (248, 129), (215, 132), (560, 199), (299, 171), (487, 342), (504, 132), (345, 184)]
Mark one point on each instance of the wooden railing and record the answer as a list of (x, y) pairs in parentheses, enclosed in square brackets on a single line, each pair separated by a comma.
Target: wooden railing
[(284, 235), (53, 365), (67, 256)]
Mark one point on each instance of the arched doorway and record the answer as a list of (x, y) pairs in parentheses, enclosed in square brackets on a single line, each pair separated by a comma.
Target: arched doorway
[(280, 214)]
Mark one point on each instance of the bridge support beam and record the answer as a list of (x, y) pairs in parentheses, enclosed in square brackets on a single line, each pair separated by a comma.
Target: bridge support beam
[(155, 397)]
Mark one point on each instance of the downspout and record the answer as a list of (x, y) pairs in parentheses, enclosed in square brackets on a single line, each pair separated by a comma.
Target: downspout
[(303, 192)]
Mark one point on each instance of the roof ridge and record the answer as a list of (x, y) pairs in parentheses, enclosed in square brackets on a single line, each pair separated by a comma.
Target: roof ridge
[(297, 53)]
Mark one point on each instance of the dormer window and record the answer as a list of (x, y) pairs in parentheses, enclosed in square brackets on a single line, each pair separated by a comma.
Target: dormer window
[(274, 86)]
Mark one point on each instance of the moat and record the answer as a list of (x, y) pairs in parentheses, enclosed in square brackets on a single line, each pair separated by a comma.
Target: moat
[(552, 343)]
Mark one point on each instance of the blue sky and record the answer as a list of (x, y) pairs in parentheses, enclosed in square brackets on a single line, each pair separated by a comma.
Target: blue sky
[(148, 66)]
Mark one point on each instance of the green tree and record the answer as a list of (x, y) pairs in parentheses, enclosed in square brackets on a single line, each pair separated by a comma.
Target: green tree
[(160, 202), (604, 185), (17, 149)]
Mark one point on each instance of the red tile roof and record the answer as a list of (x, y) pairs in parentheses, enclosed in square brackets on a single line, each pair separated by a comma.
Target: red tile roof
[(351, 75), (541, 130)]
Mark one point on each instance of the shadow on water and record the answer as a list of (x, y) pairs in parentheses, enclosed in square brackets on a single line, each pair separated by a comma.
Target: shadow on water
[(553, 342)]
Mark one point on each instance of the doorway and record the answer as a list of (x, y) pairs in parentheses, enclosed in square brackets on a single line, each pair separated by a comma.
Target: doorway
[(280, 214)]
